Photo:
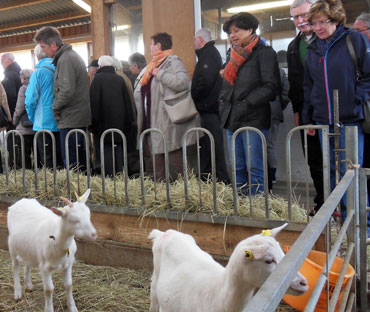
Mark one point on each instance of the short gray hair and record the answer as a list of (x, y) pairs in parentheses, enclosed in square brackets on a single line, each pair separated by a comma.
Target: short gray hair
[(364, 17), (204, 33), (116, 63), (297, 3), (105, 60), (9, 56), (38, 52), (26, 73)]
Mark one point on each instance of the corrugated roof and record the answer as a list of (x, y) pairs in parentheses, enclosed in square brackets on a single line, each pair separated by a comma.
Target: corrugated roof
[(15, 21)]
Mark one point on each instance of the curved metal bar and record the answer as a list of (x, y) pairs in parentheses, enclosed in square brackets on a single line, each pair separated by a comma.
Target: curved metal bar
[(87, 148), (13, 133), (325, 156), (102, 158), (166, 164), (233, 169), (53, 142), (213, 165)]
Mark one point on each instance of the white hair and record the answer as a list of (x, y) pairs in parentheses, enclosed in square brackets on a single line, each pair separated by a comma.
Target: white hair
[(105, 60), (364, 17), (9, 56), (297, 3), (204, 33), (26, 73), (38, 52), (117, 63)]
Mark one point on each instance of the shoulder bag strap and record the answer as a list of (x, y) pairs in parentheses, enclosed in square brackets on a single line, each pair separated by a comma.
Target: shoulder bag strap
[(353, 56)]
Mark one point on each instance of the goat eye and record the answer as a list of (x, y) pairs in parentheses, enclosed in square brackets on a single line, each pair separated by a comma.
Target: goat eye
[(269, 261)]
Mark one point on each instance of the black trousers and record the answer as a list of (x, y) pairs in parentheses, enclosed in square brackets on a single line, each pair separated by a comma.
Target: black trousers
[(45, 152), (212, 123), (314, 159), (28, 150)]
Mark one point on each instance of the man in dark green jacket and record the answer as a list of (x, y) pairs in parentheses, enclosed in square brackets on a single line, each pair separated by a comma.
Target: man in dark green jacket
[(71, 106)]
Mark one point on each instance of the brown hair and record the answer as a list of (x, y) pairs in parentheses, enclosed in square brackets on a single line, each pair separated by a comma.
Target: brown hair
[(332, 8), (164, 39)]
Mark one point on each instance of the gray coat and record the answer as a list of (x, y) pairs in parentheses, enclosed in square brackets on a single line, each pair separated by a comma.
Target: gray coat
[(71, 106), (174, 78), (20, 110)]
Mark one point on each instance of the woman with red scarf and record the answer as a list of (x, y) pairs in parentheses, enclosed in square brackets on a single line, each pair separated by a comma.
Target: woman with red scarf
[(165, 75), (251, 81)]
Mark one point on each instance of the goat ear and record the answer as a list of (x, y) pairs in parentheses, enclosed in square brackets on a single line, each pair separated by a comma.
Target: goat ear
[(58, 212), (67, 201), (277, 230), (85, 196)]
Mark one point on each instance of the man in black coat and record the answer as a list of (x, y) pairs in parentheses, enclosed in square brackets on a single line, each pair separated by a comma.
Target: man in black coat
[(205, 89), (110, 108), (12, 83), (296, 60)]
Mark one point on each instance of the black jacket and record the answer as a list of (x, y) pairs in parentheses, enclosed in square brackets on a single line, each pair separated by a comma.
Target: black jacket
[(206, 83), (12, 83), (110, 104), (295, 75), (247, 103)]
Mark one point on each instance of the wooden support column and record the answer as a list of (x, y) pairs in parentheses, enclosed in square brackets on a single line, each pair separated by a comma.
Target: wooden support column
[(100, 28), (175, 18)]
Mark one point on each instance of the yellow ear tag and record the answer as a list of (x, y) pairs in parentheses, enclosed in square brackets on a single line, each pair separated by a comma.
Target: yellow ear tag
[(80, 199), (266, 233), (248, 254)]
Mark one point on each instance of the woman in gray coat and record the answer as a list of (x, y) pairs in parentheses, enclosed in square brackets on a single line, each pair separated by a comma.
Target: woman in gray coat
[(166, 70), (22, 123)]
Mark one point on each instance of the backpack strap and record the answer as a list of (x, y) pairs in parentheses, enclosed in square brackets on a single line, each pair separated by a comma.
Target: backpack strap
[(353, 56), (52, 70)]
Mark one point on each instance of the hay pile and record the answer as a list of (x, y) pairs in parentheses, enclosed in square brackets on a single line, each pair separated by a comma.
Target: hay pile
[(95, 289), (155, 195)]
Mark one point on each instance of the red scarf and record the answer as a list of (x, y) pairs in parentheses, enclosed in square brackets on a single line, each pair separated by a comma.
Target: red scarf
[(157, 60), (239, 54)]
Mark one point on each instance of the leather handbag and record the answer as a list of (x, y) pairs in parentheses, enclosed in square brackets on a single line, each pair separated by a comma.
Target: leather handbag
[(366, 122), (180, 107)]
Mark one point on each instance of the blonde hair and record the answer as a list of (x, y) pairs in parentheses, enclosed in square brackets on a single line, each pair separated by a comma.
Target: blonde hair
[(332, 8)]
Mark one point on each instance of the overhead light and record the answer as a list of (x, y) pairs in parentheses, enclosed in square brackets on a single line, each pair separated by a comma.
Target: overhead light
[(83, 5), (122, 27), (260, 6)]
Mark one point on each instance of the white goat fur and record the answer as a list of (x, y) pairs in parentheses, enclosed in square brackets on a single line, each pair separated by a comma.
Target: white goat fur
[(44, 238), (185, 278)]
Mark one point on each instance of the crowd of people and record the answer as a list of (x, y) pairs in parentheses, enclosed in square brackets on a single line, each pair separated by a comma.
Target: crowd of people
[(250, 89)]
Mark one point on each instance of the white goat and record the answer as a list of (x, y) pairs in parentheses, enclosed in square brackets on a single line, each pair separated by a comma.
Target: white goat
[(45, 238), (185, 278)]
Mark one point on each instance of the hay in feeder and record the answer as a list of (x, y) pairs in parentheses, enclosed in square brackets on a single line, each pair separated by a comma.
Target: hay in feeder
[(95, 289), (200, 195)]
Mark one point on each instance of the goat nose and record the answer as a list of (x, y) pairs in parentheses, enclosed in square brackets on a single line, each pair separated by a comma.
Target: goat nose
[(93, 235)]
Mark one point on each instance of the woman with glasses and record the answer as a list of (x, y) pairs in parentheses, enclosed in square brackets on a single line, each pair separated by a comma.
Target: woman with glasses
[(329, 67)]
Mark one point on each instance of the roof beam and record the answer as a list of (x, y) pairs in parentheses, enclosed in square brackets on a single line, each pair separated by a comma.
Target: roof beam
[(43, 21), (20, 3)]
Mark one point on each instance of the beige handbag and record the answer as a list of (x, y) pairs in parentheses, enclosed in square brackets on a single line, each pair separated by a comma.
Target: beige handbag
[(180, 107)]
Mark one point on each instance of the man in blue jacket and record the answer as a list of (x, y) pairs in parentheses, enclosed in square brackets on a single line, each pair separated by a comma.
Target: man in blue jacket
[(39, 102)]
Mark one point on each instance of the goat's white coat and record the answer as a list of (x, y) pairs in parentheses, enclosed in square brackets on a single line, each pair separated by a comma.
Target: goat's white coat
[(185, 278), (42, 238)]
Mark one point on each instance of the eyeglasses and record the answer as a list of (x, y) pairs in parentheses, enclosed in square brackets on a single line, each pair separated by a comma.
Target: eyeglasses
[(296, 17), (320, 23), (361, 30)]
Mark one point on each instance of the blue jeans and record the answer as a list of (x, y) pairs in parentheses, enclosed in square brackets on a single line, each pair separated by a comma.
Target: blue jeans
[(72, 153), (342, 156), (241, 160)]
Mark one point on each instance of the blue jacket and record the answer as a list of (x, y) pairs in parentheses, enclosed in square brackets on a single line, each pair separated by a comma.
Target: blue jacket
[(335, 69), (39, 96)]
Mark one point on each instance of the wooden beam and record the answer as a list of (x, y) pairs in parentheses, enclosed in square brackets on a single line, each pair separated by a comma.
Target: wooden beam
[(20, 3), (43, 21), (100, 28)]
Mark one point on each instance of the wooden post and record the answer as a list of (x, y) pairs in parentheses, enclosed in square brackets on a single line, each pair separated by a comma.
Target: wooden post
[(175, 18), (100, 28)]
